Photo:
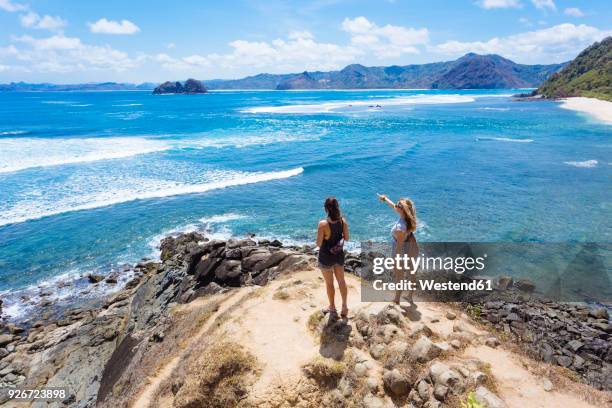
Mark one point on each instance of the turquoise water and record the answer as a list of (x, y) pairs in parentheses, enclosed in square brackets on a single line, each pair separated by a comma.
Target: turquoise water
[(91, 180)]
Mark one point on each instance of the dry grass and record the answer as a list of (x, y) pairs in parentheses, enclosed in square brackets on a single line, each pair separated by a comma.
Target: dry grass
[(325, 371), (314, 320), (490, 382), (219, 377), (281, 294), (150, 357)]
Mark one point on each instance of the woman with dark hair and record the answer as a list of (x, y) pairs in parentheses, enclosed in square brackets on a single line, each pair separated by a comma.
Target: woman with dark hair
[(331, 234), (404, 242)]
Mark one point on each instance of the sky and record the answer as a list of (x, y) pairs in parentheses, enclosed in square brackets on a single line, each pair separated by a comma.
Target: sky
[(71, 41)]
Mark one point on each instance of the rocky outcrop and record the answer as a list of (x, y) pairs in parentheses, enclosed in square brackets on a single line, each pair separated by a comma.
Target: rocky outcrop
[(572, 335), (191, 86), (87, 348), (97, 349)]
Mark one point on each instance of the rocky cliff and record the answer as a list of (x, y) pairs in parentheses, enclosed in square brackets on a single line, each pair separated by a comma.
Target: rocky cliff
[(238, 323)]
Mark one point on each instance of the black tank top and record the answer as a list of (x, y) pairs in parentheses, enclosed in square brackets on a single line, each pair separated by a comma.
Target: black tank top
[(326, 258)]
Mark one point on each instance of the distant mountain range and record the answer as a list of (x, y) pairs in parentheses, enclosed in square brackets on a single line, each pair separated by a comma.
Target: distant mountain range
[(472, 71), (589, 74), (93, 86)]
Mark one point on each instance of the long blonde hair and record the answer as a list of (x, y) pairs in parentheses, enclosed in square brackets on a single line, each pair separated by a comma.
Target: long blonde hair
[(408, 212)]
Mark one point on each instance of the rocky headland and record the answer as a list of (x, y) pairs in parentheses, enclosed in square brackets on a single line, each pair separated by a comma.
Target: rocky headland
[(191, 86), (238, 323)]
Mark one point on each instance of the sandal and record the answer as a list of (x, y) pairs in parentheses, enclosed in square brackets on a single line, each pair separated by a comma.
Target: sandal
[(344, 313)]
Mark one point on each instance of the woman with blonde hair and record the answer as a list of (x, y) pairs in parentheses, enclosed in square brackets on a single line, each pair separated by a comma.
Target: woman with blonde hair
[(331, 234), (404, 242)]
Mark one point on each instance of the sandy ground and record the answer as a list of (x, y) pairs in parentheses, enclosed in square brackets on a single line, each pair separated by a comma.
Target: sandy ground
[(600, 110), (517, 386), (274, 329)]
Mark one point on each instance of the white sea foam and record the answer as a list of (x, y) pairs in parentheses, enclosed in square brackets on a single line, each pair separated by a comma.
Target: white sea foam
[(127, 115), (56, 102), (23, 153), (125, 189), (505, 139), (129, 104), (80, 105), (221, 218), (242, 141), (582, 164), (18, 154), (66, 287), (13, 132), (495, 109), (350, 106)]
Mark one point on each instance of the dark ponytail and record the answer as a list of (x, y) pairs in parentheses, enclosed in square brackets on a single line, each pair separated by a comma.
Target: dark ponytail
[(333, 209)]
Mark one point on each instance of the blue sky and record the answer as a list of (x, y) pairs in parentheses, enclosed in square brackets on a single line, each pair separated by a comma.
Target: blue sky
[(72, 41)]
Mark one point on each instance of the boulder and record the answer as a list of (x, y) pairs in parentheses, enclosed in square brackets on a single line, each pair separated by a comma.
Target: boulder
[(256, 260), (525, 285), (396, 382), (5, 339), (440, 392), (424, 389), (228, 270), (504, 282), (204, 271), (419, 329), (599, 313), (424, 350), (488, 399), (442, 374), (94, 278)]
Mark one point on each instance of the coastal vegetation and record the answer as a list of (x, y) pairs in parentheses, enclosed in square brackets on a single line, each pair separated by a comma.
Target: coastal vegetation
[(588, 75)]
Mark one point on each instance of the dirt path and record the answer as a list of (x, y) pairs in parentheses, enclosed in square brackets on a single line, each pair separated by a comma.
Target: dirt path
[(517, 386), (271, 322), (144, 399), (273, 326)]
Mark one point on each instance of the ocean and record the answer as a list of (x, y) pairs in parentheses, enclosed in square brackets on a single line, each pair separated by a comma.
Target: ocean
[(90, 181)]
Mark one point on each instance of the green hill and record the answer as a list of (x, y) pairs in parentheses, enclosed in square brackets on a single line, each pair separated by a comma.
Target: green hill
[(589, 74)]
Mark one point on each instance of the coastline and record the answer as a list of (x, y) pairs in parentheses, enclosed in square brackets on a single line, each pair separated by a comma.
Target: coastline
[(596, 108), (194, 271)]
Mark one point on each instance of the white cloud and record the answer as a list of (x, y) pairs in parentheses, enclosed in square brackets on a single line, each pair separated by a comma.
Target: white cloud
[(104, 26), (171, 45), (558, 43), (46, 22), (192, 62), (8, 5), (59, 53), (493, 4), (387, 41), (573, 12), (544, 4)]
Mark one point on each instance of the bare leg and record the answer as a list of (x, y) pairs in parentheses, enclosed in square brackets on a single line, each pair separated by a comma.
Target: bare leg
[(397, 276), (328, 275), (339, 273)]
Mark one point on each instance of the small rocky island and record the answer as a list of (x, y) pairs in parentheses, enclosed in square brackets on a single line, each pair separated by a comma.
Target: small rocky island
[(191, 86)]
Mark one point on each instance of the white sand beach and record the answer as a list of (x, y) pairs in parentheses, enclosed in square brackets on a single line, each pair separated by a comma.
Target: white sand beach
[(599, 109)]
